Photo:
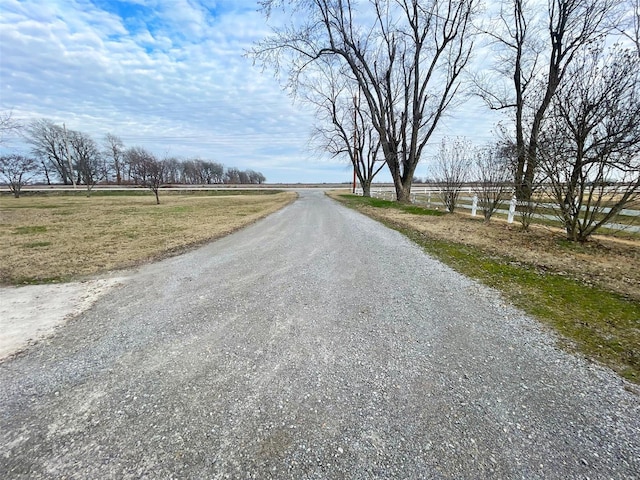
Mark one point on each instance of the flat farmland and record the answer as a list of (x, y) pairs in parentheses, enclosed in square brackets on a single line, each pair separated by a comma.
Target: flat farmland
[(315, 343), (51, 238)]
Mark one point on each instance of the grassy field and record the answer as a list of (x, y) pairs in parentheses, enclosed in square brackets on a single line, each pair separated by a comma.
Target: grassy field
[(59, 237), (588, 293)]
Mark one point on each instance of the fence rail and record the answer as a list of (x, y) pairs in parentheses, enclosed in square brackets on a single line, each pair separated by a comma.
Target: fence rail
[(430, 197)]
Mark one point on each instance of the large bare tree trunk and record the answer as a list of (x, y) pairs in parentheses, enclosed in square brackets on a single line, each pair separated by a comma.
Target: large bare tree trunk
[(403, 190)]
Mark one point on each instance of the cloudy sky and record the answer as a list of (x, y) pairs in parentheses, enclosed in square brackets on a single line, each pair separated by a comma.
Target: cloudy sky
[(171, 76)]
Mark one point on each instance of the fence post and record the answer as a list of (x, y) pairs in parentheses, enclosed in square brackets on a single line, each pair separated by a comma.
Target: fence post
[(512, 209), (429, 199), (474, 206)]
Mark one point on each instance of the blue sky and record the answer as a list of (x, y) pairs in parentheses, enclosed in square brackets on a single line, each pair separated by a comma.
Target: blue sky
[(171, 76)]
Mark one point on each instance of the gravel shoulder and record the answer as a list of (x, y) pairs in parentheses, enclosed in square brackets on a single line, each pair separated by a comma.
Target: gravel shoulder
[(32, 312), (313, 344)]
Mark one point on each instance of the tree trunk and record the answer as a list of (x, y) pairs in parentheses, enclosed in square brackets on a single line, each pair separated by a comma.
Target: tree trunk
[(403, 189), (366, 188)]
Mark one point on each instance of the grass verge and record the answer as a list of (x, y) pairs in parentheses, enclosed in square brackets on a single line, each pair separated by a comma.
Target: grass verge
[(603, 325), (59, 238), (355, 200)]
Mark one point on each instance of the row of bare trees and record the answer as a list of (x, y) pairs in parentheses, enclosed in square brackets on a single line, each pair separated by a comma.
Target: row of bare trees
[(574, 94), (74, 158), (580, 192), (488, 170), (383, 73)]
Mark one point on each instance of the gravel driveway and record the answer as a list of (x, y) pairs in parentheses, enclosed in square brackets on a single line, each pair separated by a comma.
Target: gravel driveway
[(314, 344)]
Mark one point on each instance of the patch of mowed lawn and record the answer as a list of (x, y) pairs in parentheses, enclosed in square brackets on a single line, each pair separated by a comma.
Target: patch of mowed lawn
[(59, 238), (356, 200), (603, 325)]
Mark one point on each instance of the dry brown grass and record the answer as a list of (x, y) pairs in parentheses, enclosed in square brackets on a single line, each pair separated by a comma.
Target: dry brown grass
[(62, 237), (605, 262)]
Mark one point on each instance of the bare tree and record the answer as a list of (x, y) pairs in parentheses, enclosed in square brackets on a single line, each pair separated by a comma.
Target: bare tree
[(494, 177), (172, 170), (591, 153), (88, 160), (232, 176), (217, 172), (244, 177), (17, 170), (536, 67), (451, 169), (630, 25), (508, 149), (343, 125), (202, 172), (405, 56), (8, 126), (256, 178), (147, 170), (114, 150), (211, 172), (188, 173), (50, 146), (366, 153)]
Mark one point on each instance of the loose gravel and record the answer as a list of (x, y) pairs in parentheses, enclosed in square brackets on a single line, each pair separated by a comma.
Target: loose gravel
[(314, 344)]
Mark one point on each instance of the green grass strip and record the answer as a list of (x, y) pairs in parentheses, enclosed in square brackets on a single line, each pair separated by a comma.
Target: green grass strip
[(355, 200)]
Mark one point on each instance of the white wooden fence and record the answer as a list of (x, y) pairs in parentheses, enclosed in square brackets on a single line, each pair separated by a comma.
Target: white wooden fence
[(430, 197)]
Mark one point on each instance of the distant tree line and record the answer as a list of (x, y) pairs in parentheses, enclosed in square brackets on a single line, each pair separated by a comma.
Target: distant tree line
[(70, 157)]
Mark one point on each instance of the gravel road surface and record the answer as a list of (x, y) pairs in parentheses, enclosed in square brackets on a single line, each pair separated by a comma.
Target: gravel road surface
[(314, 344)]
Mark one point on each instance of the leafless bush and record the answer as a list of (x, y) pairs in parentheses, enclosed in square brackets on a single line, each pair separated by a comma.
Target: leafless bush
[(591, 154), (494, 175), (451, 169), (17, 170)]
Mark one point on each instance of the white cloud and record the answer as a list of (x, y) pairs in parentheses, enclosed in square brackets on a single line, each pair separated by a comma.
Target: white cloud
[(169, 75)]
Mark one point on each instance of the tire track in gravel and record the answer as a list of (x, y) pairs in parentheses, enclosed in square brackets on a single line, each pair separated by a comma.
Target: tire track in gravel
[(315, 343)]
